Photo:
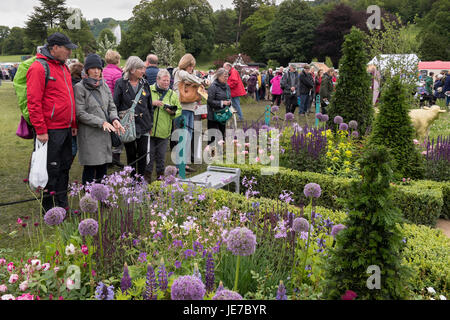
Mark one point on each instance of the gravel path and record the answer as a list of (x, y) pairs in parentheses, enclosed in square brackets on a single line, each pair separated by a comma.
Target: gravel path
[(444, 225)]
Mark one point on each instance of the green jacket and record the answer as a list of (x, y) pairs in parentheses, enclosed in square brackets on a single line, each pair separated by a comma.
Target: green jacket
[(162, 120), (429, 84)]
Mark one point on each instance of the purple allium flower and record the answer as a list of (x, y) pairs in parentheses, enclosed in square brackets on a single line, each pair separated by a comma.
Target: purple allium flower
[(151, 288), (281, 292), (226, 294), (142, 257), (88, 227), (177, 264), (312, 190), (336, 229), (162, 276), (125, 283), (189, 253), (289, 116), (209, 274), (99, 192), (241, 241), (324, 118), (353, 125), (102, 292), (169, 180), (355, 134), (300, 225), (343, 126), (187, 288), (319, 115), (338, 120), (170, 171), (275, 109), (88, 204), (275, 118), (55, 216)]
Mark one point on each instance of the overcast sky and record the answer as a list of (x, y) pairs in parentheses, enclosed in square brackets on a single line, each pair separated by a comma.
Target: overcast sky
[(15, 12)]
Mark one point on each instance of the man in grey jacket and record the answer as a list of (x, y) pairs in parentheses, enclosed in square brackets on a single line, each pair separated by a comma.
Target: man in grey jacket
[(289, 84)]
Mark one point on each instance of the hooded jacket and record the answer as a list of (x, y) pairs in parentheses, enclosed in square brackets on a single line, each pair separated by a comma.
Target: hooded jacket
[(112, 73), (162, 120), (235, 83), (51, 106)]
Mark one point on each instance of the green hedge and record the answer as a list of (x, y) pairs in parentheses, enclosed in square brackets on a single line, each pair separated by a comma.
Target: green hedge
[(422, 202), (427, 250)]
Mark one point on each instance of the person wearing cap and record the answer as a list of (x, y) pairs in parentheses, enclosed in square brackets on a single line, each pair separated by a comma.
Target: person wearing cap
[(306, 84), (97, 117), (52, 113)]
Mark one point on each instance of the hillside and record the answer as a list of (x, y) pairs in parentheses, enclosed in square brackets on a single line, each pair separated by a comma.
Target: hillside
[(97, 26)]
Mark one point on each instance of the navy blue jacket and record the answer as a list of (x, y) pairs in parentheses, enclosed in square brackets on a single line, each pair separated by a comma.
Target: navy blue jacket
[(151, 73)]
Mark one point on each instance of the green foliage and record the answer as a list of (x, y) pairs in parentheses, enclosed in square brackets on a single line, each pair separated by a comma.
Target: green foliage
[(290, 36), (164, 50), (422, 202), (14, 43), (393, 129), (371, 237), (353, 97), (107, 23), (106, 41), (328, 62), (178, 47), (225, 27), (426, 253)]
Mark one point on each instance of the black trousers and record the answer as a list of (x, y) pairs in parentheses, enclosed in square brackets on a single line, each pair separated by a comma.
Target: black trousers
[(291, 103), (216, 125), (94, 173), (158, 149), (136, 150), (59, 161), (276, 99)]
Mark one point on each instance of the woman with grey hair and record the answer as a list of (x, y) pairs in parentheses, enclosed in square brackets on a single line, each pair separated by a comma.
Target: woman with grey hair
[(219, 98), (132, 86)]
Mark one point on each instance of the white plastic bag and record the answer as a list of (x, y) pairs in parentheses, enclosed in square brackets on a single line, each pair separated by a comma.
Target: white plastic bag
[(38, 170)]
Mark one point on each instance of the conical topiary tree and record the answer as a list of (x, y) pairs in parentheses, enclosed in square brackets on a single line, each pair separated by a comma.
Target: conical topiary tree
[(353, 97), (371, 237), (392, 128)]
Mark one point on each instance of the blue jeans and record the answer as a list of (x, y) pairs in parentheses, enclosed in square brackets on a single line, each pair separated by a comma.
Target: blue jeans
[(188, 117), (304, 103), (236, 103)]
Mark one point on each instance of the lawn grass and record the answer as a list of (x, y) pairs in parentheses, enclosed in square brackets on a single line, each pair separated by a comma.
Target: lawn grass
[(16, 58)]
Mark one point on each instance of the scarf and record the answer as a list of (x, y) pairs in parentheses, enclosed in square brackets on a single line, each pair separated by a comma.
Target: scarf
[(91, 83)]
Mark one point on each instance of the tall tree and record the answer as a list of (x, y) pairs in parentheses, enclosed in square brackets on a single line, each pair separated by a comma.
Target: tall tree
[(329, 35), (178, 47), (353, 98), (244, 9), (291, 34), (258, 26), (14, 42), (225, 27), (4, 33)]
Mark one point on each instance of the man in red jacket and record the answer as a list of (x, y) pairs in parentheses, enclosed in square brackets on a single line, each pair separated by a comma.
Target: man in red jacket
[(51, 107), (237, 88)]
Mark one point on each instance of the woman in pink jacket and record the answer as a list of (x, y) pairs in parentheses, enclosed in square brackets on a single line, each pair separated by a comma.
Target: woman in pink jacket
[(276, 89), (111, 73)]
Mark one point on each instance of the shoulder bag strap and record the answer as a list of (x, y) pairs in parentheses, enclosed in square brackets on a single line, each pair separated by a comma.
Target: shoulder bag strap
[(101, 105)]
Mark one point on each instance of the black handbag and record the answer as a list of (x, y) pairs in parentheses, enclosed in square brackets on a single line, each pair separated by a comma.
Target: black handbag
[(115, 140)]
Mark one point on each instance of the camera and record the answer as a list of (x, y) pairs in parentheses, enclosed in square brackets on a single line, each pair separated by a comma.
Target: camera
[(171, 108)]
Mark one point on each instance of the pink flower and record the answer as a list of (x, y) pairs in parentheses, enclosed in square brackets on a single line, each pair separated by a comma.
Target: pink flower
[(45, 266), (2, 261), (10, 267), (271, 157), (70, 283), (23, 286), (261, 151), (19, 221), (404, 180), (60, 298), (424, 153), (416, 141), (3, 288), (257, 159), (221, 142), (36, 263), (349, 295), (84, 249), (94, 273), (13, 278), (26, 296)]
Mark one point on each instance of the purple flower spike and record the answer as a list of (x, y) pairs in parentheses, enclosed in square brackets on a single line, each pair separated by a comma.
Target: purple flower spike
[(151, 287), (125, 283), (338, 120), (281, 292), (209, 274)]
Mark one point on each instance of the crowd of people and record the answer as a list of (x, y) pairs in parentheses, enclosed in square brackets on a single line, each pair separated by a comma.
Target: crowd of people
[(433, 87)]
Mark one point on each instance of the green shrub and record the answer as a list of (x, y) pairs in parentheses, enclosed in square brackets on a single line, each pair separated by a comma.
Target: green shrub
[(427, 252), (421, 202)]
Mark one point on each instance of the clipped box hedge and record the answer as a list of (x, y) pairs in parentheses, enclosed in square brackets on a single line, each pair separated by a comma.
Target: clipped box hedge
[(422, 202), (426, 251)]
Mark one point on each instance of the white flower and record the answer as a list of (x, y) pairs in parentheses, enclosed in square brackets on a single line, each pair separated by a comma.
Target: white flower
[(45, 266), (431, 290), (23, 286), (36, 263), (442, 297), (70, 249), (8, 297), (13, 278), (70, 284), (431, 298)]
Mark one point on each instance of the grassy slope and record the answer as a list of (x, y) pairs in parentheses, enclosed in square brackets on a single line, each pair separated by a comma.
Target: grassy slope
[(16, 58)]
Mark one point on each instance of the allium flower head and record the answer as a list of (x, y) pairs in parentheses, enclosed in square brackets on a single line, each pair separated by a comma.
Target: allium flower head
[(55, 216), (88, 204), (324, 118), (170, 171), (289, 116), (300, 225), (226, 294), (275, 109), (338, 120), (241, 241), (336, 229), (343, 126), (355, 134), (99, 192), (312, 190), (319, 115), (102, 292), (88, 227), (187, 288), (353, 125)]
